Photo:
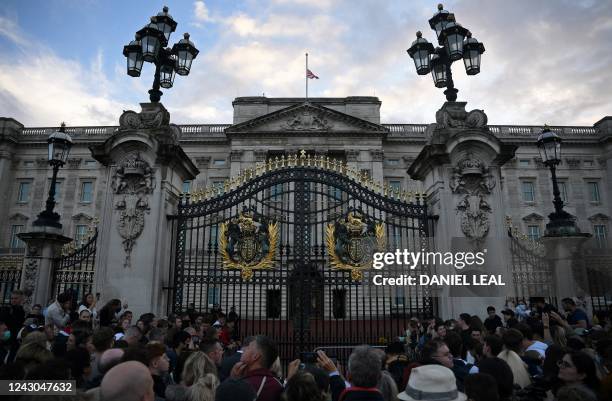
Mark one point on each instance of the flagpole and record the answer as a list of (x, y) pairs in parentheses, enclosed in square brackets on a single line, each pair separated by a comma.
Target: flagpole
[(306, 75)]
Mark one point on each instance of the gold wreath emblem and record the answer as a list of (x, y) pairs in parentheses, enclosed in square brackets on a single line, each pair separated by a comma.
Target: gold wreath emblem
[(356, 269), (266, 262)]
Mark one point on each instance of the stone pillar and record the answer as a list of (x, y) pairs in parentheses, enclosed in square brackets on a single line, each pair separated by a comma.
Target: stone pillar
[(460, 168), (146, 167), (565, 255), (43, 245), (9, 131)]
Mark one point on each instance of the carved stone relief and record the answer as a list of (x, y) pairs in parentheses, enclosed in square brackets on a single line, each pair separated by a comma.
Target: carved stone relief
[(30, 276), (132, 183), (473, 180), (459, 118), (307, 120)]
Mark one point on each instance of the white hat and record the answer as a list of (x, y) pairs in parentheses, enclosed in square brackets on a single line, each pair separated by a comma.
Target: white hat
[(431, 383)]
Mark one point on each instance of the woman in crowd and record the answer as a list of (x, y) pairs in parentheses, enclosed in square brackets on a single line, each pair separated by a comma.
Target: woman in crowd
[(200, 376), (512, 339), (577, 369), (89, 303)]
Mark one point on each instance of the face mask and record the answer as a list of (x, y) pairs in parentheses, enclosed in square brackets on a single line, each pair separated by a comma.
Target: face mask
[(6, 336)]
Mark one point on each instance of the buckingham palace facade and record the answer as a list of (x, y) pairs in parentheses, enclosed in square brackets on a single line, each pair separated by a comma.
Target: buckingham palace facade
[(348, 135)]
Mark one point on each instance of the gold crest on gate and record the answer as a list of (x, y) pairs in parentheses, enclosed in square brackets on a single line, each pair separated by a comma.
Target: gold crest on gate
[(248, 243), (352, 241)]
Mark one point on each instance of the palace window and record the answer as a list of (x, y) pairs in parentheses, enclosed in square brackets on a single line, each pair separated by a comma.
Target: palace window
[(186, 187), (600, 235), (15, 241), (91, 163), (276, 192), (58, 190), (523, 162), (214, 235), (400, 296), (214, 296), (533, 232), (219, 162), (24, 191), (392, 162), (528, 189), (87, 191), (593, 187), (563, 191), (80, 234)]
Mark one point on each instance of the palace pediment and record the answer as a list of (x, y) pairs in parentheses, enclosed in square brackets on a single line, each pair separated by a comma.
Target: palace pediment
[(307, 119)]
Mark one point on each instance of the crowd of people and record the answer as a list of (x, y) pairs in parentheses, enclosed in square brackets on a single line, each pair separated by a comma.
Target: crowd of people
[(533, 351)]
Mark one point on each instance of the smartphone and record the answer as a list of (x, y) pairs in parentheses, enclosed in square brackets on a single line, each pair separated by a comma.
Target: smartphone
[(308, 357)]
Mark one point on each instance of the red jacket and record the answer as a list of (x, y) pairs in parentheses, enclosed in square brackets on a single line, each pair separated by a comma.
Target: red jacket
[(272, 387)]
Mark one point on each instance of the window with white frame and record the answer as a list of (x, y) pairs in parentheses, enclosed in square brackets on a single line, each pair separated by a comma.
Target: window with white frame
[(533, 232), (528, 190), (276, 192), (601, 234), (80, 234), (400, 296), (593, 189), (23, 195), (58, 190), (214, 296), (87, 188), (219, 162), (186, 187), (214, 235), (15, 241), (392, 162), (523, 162), (563, 191)]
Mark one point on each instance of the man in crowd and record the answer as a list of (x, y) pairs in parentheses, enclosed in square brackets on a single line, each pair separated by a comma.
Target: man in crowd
[(493, 321), (213, 349), (128, 381), (58, 313), (576, 317), (254, 367)]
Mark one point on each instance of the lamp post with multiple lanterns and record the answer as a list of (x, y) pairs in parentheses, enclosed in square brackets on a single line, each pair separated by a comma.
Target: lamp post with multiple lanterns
[(59, 144), (456, 43), (150, 45)]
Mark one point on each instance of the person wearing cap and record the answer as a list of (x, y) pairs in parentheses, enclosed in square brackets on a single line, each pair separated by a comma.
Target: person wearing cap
[(431, 382)]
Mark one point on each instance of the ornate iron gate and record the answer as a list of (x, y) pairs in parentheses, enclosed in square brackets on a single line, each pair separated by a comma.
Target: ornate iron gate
[(74, 270), (531, 271), (287, 244)]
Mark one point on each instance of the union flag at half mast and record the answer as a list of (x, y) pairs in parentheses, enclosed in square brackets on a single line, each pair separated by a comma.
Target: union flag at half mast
[(310, 74)]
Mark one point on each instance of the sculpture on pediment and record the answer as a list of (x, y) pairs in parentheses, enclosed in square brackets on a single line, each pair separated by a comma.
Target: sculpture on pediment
[(133, 182), (153, 115), (307, 121), (455, 116), (472, 179)]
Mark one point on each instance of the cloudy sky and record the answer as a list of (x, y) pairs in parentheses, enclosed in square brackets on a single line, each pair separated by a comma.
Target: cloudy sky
[(545, 61)]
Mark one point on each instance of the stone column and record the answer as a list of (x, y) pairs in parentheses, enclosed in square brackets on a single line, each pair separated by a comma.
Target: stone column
[(146, 167), (461, 175), (43, 245), (9, 131), (565, 255)]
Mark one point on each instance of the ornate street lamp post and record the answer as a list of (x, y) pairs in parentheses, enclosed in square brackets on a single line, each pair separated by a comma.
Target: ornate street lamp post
[(455, 42), (150, 45), (561, 222), (59, 147)]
